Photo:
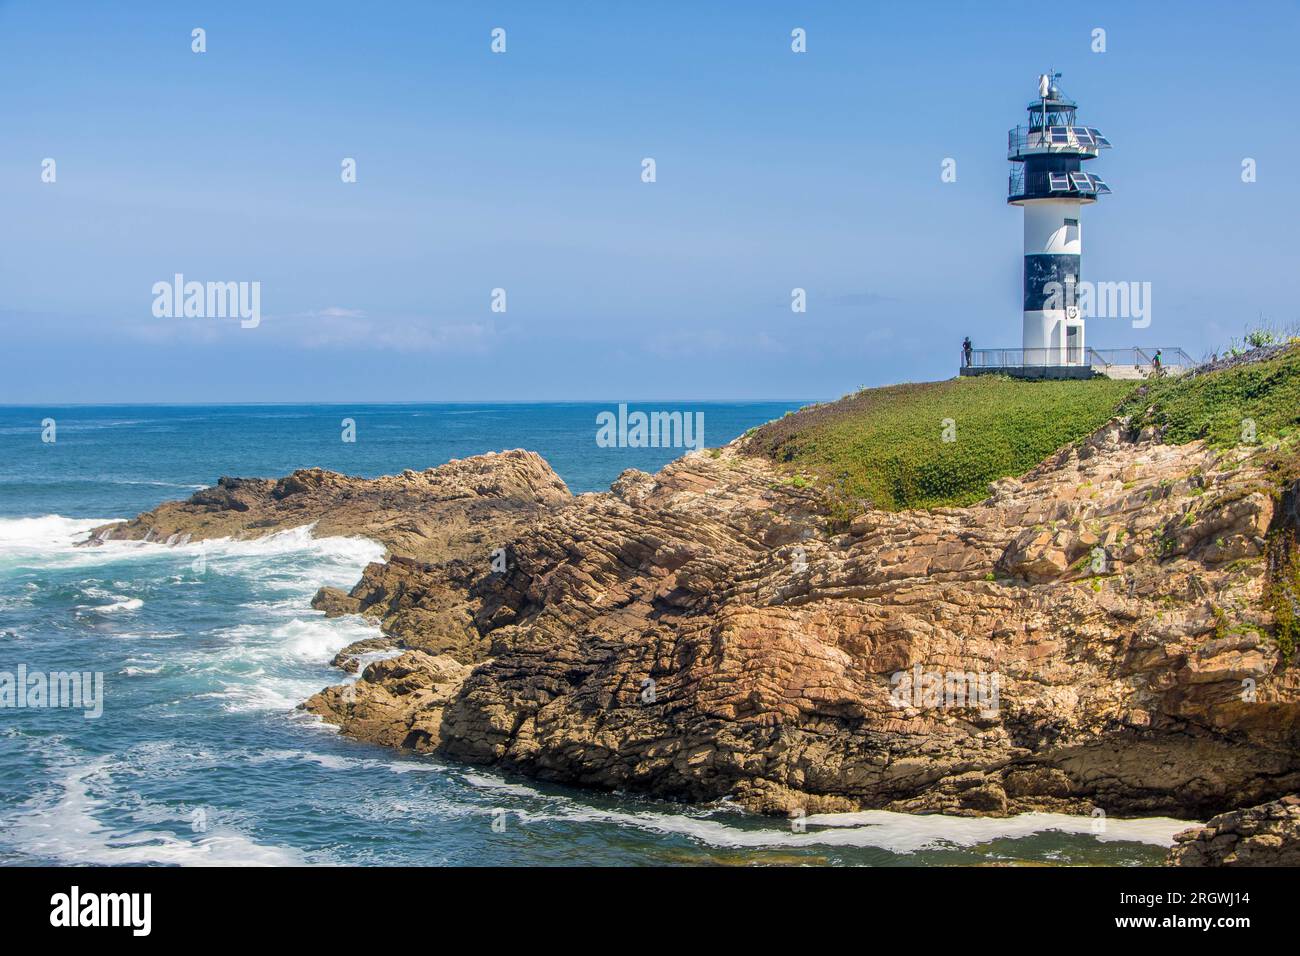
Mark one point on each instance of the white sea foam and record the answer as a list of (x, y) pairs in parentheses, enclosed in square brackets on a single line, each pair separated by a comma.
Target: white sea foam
[(258, 664), (316, 639), (48, 532), (121, 604), (63, 826), (273, 667), (902, 833), (497, 785), (242, 697), (896, 832), (51, 542), (330, 761)]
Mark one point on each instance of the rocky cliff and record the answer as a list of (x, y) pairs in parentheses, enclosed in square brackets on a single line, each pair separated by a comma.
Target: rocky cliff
[(1267, 835), (1095, 634)]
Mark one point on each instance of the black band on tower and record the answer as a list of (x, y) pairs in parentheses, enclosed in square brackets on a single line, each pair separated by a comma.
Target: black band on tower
[(1042, 269)]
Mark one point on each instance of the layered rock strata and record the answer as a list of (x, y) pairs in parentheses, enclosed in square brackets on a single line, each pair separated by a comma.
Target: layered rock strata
[(1094, 634)]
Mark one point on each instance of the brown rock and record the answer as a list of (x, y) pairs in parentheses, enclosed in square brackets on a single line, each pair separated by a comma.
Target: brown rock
[(706, 632), (1266, 835), (397, 702), (335, 603)]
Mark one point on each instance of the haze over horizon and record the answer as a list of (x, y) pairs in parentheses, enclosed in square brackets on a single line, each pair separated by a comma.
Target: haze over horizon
[(522, 171)]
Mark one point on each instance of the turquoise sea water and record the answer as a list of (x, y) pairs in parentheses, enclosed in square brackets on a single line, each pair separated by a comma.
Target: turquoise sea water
[(200, 756)]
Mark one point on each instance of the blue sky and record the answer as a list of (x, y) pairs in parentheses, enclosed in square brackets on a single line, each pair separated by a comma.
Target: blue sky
[(522, 171)]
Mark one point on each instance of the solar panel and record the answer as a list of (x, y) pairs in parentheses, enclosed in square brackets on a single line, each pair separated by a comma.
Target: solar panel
[(1081, 182), (1082, 134), (1097, 137), (1058, 182), (1058, 135), (1099, 185)]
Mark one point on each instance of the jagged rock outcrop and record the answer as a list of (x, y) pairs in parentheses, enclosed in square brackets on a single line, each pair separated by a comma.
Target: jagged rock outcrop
[(1093, 634), (700, 633), (1267, 835), (453, 511), (456, 515), (403, 700)]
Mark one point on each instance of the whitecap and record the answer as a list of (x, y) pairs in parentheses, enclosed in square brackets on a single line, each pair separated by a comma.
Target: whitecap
[(123, 604), (52, 542), (62, 825), (49, 531)]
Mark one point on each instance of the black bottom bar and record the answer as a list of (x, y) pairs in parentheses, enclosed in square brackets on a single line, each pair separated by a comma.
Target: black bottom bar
[(388, 906)]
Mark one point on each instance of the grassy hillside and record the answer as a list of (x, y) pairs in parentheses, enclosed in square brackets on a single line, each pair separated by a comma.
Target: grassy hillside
[(885, 445), (1218, 406)]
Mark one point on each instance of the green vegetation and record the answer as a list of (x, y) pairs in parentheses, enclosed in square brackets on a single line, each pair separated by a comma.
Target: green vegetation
[(1282, 597), (1226, 406), (1262, 335), (886, 445)]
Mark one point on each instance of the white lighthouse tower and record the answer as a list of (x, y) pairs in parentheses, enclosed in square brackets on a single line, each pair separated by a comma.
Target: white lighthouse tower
[(1048, 181)]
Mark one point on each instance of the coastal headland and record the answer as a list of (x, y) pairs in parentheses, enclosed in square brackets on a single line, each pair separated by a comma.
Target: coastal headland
[(734, 625)]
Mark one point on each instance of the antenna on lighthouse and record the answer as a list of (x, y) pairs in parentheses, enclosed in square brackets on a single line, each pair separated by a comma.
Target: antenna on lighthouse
[(1044, 85)]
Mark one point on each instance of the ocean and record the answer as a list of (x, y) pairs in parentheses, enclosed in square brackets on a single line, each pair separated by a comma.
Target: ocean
[(200, 756)]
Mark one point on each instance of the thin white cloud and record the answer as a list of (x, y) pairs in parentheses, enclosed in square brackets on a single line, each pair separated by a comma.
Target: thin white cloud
[(337, 312), (402, 335)]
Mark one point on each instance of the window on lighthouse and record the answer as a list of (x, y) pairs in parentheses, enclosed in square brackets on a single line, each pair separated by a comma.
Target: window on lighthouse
[(1071, 231)]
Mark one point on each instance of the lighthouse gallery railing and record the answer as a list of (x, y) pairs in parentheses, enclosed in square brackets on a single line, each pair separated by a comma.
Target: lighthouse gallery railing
[(1024, 140), (1041, 358)]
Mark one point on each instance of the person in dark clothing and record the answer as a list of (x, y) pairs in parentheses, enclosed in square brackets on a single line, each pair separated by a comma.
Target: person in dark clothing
[(966, 351)]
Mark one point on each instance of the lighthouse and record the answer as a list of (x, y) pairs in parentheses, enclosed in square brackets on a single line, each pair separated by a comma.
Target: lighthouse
[(1049, 183)]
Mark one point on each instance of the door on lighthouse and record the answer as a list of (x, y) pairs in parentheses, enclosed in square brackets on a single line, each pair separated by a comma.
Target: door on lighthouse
[(1073, 345)]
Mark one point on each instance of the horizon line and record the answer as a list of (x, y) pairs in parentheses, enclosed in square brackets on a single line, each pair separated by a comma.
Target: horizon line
[(520, 401)]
